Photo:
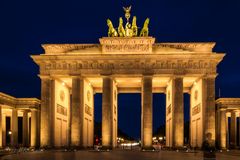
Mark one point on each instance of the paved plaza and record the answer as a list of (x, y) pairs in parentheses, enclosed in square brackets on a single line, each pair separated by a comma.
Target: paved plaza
[(117, 155)]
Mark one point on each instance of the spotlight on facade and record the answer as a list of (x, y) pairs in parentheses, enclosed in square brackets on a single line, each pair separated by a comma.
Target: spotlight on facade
[(63, 83), (9, 132)]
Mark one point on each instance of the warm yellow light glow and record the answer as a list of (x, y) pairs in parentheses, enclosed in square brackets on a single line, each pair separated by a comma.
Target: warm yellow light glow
[(130, 144)]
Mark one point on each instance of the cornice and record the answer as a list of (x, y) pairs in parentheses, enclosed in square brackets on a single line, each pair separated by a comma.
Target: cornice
[(191, 46), (64, 48), (18, 102), (228, 100), (127, 45)]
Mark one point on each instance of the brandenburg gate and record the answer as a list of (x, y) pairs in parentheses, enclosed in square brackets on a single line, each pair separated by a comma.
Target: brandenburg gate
[(125, 62)]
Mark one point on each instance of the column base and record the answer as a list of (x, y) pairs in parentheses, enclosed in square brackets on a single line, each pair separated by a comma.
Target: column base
[(148, 148), (223, 148), (106, 148), (78, 147), (232, 146), (46, 147)]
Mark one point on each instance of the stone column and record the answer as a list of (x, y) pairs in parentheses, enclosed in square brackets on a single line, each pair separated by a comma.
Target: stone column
[(1, 135), (208, 109), (25, 128), (146, 118), (77, 112), (69, 119), (47, 115), (233, 132), (107, 113), (178, 113), (227, 131), (38, 127), (14, 126), (33, 128), (239, 130), (223, 129), (3, 129)]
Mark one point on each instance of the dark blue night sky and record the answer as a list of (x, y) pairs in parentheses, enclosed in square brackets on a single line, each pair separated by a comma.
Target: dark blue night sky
[(25, 25)]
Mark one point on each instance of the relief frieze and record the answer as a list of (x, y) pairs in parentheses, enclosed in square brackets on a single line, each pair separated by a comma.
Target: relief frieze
[(153, 64)]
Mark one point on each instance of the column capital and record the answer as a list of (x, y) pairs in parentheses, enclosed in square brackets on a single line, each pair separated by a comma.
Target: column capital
[(45, 77), (75, 76), (106, 75), (24, 110), (223, 109), (209, 76), (112, 77), (147, 75), (176, 76), (15, 109), (234, 111), (33, 109)]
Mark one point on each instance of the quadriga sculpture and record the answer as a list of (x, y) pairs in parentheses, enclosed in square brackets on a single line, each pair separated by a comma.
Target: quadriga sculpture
[(134, 27), (144, 32), (121, 31), (111, 30)]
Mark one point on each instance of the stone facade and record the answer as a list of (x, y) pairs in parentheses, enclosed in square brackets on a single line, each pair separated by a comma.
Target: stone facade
[(122, 65), (13, 108), (228, 110)]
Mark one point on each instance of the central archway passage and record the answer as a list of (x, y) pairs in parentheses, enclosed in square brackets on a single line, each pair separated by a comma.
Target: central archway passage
[(129, 115)]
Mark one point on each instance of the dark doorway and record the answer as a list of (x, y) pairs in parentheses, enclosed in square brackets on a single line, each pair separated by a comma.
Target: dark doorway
[(8, 129), (20, 130), (159, 116), (238, 131), (29, 128), (186, 102), (229, 131), (97, 118)]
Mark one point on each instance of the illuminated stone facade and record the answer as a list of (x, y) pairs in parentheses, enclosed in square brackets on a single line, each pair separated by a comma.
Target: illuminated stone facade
[(13, 108), (72, 73), (228, 111)]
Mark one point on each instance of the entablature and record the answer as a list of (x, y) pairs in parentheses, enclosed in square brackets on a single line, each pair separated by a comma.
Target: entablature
[(8, 101), (228, 103), (129, 45), (132, 64)]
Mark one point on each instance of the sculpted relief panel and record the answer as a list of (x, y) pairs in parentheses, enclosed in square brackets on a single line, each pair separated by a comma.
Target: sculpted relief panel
[(127, 45), (176, 66), (127, 48)]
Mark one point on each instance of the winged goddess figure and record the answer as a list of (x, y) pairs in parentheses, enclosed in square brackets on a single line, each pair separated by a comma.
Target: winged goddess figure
[(127, 12)]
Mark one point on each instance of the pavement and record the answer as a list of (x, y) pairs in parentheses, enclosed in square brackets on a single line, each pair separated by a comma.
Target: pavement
[(117, 155)]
